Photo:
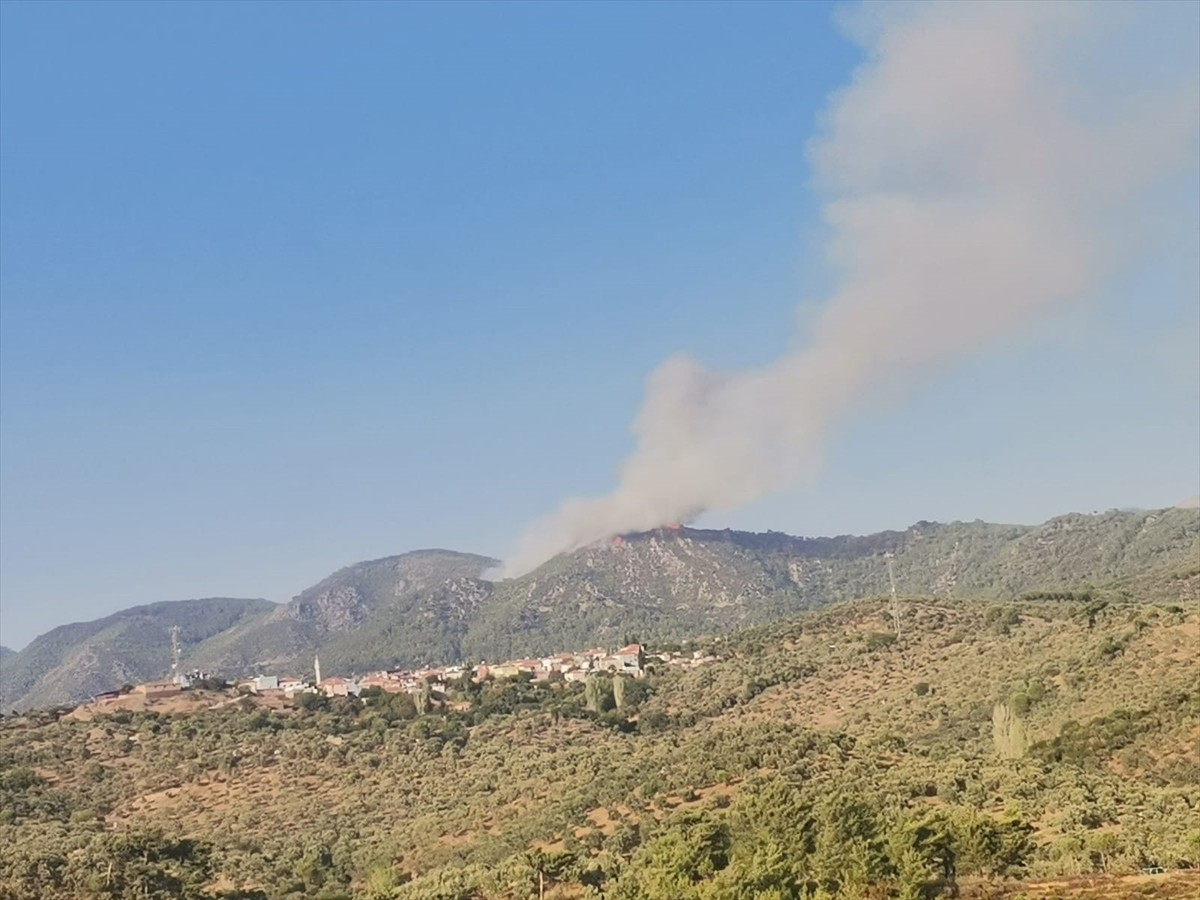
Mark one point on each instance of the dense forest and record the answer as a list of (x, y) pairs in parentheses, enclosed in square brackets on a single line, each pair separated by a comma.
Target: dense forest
[(989, 747)]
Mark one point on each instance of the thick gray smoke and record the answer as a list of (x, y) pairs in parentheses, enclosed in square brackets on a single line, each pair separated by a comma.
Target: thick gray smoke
[(988, 162)]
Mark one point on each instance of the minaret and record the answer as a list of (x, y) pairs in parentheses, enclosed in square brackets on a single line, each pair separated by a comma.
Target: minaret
[(317, 668)]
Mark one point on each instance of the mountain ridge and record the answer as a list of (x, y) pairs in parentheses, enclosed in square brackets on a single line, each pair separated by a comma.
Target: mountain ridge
[(436, 606)]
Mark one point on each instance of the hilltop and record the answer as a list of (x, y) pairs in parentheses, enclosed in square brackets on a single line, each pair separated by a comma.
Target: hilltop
[(1013, 748), (436, 606)]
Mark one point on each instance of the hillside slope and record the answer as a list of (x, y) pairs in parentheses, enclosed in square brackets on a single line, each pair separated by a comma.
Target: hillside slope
[(673, 583), (435, 606), (368, 595), (678, 582), (74, 661), (993, 747)]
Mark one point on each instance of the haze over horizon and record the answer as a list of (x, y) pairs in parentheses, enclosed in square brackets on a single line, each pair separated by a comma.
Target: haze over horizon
[(341, 282)]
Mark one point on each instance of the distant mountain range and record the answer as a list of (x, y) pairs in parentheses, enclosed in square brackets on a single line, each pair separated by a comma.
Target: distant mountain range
[(435, 606)]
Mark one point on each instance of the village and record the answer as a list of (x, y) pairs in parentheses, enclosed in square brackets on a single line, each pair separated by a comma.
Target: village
[(633, 660)]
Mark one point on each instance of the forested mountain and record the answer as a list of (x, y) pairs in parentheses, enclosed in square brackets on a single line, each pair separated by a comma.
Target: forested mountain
[(409, 602), (72, 662), (435, 606), (678, 582), (995, 750)]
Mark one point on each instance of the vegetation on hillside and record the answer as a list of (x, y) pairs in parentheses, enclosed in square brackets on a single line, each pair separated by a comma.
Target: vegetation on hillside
[(671, 584), (434, 606), (819, 757), (72, 662)]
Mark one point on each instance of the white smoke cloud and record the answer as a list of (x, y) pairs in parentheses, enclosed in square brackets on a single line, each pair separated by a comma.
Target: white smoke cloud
[(988, 162)]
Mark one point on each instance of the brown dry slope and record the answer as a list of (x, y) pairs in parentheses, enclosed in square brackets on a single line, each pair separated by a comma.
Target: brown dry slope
[(828, 704)]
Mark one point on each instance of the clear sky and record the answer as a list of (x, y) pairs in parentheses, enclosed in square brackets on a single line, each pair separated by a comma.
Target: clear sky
[(288, 286)]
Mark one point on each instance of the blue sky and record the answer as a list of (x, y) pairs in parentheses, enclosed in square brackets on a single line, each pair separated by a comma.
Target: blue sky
[(289, 286)]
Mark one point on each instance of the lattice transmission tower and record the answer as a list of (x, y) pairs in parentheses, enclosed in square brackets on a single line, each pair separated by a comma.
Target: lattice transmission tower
[(895, 605)]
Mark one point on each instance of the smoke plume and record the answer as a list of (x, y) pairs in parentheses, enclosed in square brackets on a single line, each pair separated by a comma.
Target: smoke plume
[(987, 163)]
